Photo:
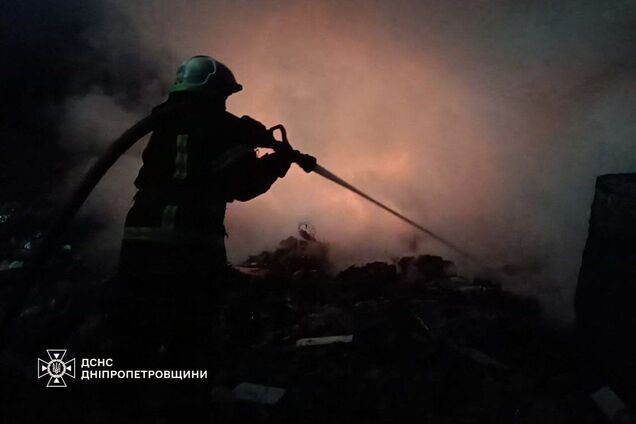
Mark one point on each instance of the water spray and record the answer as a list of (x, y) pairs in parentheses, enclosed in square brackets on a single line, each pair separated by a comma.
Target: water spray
[(334, 178)]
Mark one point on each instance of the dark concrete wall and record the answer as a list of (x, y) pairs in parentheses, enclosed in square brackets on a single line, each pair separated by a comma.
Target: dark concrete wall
[(606, 291)]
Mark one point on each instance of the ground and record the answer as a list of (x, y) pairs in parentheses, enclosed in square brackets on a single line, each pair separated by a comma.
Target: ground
[(422, 343)]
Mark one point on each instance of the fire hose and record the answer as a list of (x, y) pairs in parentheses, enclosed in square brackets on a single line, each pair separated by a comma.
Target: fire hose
[(146, 125)]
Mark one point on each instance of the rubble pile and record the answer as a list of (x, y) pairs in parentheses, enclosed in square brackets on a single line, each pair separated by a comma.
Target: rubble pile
[(301, 258), (380, 342)]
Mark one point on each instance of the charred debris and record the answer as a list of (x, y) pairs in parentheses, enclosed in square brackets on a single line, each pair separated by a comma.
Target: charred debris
[(379, 342)]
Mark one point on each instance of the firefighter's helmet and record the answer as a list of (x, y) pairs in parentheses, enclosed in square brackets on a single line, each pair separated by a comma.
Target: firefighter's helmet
[(206, 75)]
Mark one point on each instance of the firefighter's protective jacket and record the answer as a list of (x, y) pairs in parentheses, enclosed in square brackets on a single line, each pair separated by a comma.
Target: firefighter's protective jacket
[(192, 166)]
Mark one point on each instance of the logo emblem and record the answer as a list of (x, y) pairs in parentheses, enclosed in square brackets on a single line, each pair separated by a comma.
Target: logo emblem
[(56, 368)]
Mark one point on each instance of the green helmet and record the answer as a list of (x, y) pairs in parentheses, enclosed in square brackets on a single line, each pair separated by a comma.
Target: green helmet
[(207, 75)]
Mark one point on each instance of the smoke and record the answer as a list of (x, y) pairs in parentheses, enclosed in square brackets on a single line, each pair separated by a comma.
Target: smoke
[(484, 121)]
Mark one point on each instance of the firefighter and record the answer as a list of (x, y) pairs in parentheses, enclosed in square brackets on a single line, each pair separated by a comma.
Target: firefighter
[(173, 258), (193, 165)]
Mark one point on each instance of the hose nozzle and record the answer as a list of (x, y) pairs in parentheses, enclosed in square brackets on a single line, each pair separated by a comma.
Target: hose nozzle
[(306, 162)]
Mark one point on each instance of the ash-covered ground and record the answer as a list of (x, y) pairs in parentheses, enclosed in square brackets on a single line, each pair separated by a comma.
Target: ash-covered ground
[(409, 340)]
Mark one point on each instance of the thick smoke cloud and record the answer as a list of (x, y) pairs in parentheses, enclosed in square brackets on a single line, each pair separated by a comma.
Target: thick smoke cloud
[(485, 121)]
